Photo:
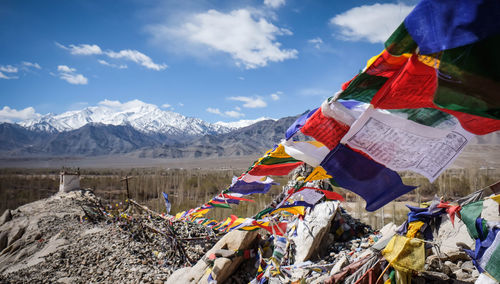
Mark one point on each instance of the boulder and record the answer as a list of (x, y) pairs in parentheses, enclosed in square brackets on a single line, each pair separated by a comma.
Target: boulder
[(312, 229), (222, 267)]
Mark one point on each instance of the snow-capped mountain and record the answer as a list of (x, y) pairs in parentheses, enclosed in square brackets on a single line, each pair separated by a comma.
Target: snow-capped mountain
[(242, 123), (143, 117)]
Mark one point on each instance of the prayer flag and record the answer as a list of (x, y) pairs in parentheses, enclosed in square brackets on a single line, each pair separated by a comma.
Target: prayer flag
[(400, 144), (167, 203), (317, 174), (310, 152), (278, 229), (376, 184), (325, 129), (405, 254), (470, 213), (297, 125), (416, 86), (445, 24), (274, 170), (275, 162), (246, 188)]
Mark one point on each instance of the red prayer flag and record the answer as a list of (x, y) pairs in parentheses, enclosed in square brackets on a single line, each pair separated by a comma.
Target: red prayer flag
[(274, 170), (414, 87), (325, 129), (278, 229)]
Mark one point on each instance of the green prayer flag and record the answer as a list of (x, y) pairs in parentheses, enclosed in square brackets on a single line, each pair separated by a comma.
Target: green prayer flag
[(400, 42), (220, 205), (363, 87), (469, 79), (493, 266), (470, 213), (425, 116)]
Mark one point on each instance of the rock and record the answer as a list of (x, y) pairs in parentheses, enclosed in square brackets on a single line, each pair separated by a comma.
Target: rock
[(461, 275), (449, 234), (234, 240), (341, 263), (6, 217), (455, 256), (451, 265), (312, 229), (432, 275), (468, 265)]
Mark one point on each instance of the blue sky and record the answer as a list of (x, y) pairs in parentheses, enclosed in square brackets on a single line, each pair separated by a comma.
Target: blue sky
[(215, 60)]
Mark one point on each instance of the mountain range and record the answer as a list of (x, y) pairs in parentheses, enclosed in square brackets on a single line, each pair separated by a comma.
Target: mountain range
[(141, 130), (138, 129)]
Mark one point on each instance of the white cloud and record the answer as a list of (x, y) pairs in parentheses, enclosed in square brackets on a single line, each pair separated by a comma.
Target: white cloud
[(119, 106), (244, 34), (65, 68), (316, 42), (137, 57), (75, 79), (214, 110), (250, 102), (276, 96), (30, 64), (106, 63), (166, 105), (68, 74), (234, 114), (127, 54), (241, 78), (372, 23), (82, 49), (8, 114), (181, 104), (3, 76), (8, 69), (237, 108), (274, 3)]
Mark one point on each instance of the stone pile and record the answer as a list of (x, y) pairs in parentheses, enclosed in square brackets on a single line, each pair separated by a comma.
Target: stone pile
[(64, 239)]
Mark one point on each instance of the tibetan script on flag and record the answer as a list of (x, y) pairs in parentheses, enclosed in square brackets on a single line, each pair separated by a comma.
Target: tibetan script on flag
[(401, 144)]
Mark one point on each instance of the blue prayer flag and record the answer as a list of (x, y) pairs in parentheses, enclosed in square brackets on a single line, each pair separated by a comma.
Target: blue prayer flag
[(246, 188), (297, 125), (167, 203), (376, 184), (445, 24)]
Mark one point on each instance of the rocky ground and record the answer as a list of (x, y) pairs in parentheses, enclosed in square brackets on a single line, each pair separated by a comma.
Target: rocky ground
[(66, 239), (70, 238)]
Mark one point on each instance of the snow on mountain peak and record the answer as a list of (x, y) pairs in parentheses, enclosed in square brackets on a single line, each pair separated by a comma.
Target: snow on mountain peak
[(142, 116), (242, 123)]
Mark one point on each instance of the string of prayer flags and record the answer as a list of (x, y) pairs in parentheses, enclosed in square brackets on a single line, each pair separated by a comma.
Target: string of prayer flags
[(400, 144), (376, 184)]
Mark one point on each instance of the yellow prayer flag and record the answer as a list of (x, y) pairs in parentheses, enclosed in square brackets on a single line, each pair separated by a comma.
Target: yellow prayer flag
[(496, 198), (405, 254), (317, 174)]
